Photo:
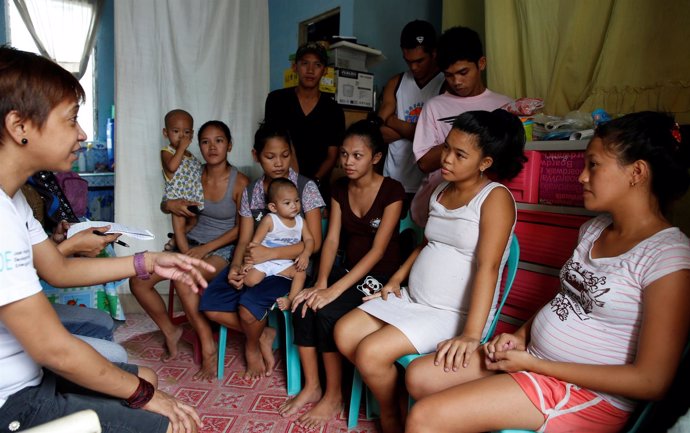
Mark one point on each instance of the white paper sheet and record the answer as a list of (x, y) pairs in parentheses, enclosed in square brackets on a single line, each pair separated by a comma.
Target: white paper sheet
[(136, 233)]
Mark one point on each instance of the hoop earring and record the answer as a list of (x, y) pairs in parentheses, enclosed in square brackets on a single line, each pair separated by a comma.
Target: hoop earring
[(24, 141)]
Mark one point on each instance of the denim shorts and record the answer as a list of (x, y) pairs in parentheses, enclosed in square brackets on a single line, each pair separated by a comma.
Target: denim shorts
[(224, 252), (56, 397), (221, 296)]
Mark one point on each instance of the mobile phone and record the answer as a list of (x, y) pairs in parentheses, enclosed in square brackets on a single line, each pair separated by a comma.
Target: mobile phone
[(194, 209)]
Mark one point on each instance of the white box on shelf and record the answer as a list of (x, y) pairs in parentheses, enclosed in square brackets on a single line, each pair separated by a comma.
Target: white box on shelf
[(348, 55), (348, 59), (354, 88)]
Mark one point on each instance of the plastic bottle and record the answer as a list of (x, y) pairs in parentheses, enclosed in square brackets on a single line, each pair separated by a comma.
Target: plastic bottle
[(600, 116), (109, 140), (528, 124), (90, 158), (100, 156), (81, 162)]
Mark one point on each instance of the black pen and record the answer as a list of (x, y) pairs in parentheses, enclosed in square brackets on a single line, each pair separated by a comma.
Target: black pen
[(119, 242)]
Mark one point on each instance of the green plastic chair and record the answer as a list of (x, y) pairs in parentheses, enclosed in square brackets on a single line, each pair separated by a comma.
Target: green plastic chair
[(223, 339), (407, 224), (405, 360)]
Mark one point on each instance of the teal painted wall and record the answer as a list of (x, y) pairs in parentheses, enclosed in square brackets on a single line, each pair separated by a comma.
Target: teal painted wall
[(378, 24), (105, 68), (3, 23)]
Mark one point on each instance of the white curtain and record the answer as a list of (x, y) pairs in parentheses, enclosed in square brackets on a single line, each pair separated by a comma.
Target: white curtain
[(208, 57), (63, 30)]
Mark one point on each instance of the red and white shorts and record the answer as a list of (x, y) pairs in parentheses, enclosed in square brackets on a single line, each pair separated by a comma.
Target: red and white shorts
[(569, 408)]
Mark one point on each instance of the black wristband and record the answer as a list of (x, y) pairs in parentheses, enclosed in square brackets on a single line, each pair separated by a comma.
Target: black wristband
[(142, 395)]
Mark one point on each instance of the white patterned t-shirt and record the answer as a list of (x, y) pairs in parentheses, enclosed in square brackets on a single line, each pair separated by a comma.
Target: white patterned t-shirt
[(596, 316)]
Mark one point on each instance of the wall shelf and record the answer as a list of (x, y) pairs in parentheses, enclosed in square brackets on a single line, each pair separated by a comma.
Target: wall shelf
[(542, 269), (557, 145), (568, 210), (105, 179)]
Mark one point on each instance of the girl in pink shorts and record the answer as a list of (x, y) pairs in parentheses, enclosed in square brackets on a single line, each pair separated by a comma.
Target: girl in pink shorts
[(602, 344)]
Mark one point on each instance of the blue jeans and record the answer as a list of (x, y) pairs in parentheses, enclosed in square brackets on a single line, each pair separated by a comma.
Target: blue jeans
[(56, 397), (93, 326), (88, 322)]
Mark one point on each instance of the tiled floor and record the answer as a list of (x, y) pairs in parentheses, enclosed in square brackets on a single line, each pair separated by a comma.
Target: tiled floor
[(231, 406)]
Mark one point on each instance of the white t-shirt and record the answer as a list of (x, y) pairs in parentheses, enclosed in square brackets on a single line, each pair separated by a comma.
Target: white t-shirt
[(596, 316), (19, 231), (410, 98), (433, 127)]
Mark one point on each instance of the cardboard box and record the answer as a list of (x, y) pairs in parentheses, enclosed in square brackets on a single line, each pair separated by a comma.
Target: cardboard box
[(558, 179), (326, 85), (354, 88)]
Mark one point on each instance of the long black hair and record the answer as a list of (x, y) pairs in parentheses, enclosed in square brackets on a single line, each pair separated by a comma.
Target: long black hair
[(500, 135), (657, 139)]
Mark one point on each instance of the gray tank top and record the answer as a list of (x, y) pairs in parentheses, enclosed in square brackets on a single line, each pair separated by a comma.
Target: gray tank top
[(217, 217)]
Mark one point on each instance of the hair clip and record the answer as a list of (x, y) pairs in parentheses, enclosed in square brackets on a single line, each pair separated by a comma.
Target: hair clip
[(675, 131)]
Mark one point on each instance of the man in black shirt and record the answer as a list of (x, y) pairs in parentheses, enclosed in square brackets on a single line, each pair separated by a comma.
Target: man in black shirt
[(316, 123)]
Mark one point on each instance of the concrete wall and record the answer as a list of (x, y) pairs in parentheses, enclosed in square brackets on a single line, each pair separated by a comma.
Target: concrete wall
[(3, 24), (284, 17), (376, 24), (105, 68)]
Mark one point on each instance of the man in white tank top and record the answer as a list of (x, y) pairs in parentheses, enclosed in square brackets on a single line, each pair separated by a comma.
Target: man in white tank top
[(403, 99)]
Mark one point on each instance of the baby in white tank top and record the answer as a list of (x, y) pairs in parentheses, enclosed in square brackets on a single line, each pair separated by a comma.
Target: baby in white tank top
[(284, 226)]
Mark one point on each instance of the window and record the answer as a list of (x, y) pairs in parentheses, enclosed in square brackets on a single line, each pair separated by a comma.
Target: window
[(20, 38), (322, 27)]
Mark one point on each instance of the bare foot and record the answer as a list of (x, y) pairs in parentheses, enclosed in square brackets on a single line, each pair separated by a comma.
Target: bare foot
[(324, 411), (209, 367), (171, 341), (266, 348), (255, 364), (293, 405)]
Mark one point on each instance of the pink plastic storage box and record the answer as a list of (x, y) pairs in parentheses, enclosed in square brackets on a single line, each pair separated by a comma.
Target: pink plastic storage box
[(525, 186), (547, 238), (558, 184), (529, 293)]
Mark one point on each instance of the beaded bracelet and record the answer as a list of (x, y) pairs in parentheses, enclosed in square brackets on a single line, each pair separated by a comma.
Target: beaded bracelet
[(142, 395)]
